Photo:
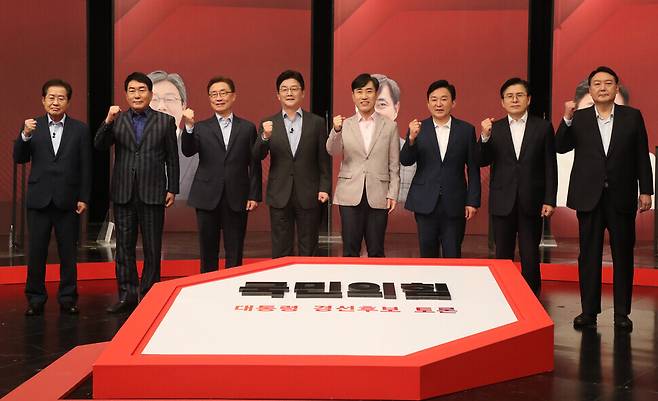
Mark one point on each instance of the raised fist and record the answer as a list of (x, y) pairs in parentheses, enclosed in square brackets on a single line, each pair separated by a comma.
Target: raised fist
[(338, 123), (414, 129), (188, 116), (267, 129), (569, 108), (486, 127), (112, 114), (29, 126)]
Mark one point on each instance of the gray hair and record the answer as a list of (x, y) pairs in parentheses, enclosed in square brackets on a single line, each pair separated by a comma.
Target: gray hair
[(175, 79), (392, 86)]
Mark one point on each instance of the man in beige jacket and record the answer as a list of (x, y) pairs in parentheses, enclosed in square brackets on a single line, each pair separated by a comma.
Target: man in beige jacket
[(369, 177)]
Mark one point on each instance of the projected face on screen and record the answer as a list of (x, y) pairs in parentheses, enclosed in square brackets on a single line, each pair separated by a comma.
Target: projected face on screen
[(169, 94), (167, 100), (388, 98)]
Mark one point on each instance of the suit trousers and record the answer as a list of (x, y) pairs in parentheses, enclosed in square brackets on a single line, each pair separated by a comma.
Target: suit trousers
[(362, 221), (150, 221), (40, 224), (529, 230), (621, 228), (283, 222), (234, 226), (439, 231)]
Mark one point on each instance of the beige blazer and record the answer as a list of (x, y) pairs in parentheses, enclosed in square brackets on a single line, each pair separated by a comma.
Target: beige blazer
[(378, 168)]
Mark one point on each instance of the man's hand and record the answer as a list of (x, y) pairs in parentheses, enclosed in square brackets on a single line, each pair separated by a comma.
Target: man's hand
[(486, 127), (569, 109), (390, 204), (338, 123), (470, 212), (644, 203), (251, 205), (547, 211), (187, 117), (29, 126), (267, 129), (169, 199), (323, 197), (414, 129), (81, 207), (112, 114)]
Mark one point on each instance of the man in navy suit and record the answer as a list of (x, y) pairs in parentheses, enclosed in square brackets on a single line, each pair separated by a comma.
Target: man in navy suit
[(611, 160), (440, 196), (227, 184), (59, 186), (144, 182), (520, 149)]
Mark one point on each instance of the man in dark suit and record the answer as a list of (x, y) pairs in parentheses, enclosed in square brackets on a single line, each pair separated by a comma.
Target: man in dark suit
[(523, 182), (227, 183), (144, 182), (611, 158), (299, 178), (59, 148), (440, 196)]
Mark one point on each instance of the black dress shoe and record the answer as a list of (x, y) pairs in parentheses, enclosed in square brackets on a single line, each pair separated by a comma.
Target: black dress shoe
[(69, 309), (622, 322), (122, 306), (584, 320), (34, 310)]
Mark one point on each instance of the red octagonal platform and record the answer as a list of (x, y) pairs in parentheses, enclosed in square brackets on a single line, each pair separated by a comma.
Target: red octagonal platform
[(330, 328)]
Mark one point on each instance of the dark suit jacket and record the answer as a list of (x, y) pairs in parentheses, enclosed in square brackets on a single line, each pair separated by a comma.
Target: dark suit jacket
[(446, 178), (532, 178), (230, 172), (308, 169), (627, 161), (65, 178), (151, 164)]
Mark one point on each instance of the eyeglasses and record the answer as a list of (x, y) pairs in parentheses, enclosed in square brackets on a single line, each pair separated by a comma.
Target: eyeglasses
[(292, 89), (221, 94), (511, 96), (168, 100)]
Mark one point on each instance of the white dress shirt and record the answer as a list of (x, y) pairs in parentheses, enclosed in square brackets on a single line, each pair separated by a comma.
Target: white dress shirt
[(517, 127), (367, 128), (605, 127), (443, 136), (225, 124), (56, 129)]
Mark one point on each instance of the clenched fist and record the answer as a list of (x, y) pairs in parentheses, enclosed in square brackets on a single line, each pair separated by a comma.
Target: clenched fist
[(112, 114), (486, 127), (267, 129), (188, 117), (569, 108), (29, 126), (414, 129), (338, 123)]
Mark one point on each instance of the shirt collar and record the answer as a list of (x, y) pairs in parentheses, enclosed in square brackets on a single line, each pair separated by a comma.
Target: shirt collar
[(447, 124), (51, 121), (523, 119), (220, 118), (361, 118), (145, 113), (298, 113), (612, 113)]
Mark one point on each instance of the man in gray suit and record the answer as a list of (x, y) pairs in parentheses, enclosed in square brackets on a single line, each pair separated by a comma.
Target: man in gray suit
[(299, 179), (369, 177), (144, 182)]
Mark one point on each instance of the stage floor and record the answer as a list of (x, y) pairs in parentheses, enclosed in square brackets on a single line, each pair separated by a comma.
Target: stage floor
[(590, 365)]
